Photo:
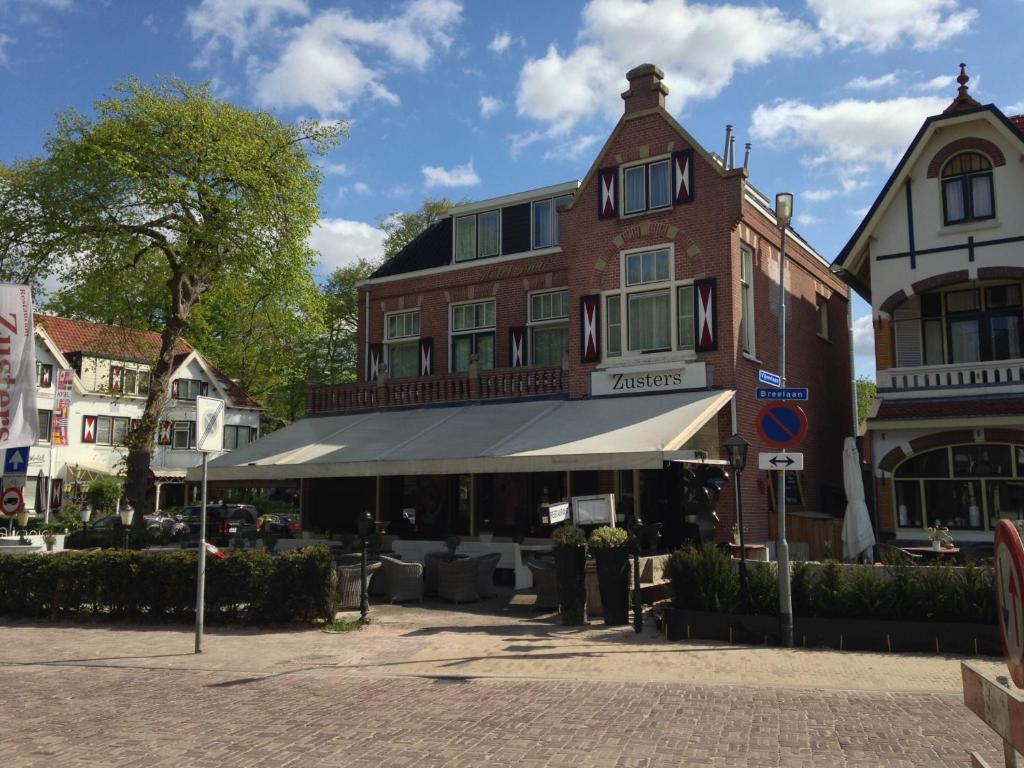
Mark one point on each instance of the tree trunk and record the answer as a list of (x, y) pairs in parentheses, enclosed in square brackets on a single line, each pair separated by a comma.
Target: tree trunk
[(143, 437)]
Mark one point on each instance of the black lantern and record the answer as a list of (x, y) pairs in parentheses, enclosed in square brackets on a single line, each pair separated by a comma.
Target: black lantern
[(737, 447)]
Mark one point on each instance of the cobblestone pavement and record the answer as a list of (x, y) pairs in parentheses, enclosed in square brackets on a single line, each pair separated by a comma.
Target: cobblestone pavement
[(428, 687)]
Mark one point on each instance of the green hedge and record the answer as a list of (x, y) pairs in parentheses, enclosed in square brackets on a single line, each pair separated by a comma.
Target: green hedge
[(252, 587), (708, 580)]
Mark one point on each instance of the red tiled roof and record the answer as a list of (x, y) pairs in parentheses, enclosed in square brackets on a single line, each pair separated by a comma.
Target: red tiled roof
[(73, 336), (937, 409), (1018, 120), (76, 336)]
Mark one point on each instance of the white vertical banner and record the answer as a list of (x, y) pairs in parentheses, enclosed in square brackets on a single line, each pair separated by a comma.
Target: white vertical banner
[(209, 424), (19, 419)]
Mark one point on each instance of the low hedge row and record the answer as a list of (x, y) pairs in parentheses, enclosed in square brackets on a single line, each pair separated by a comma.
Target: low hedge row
[(252, 587), (708, 580)]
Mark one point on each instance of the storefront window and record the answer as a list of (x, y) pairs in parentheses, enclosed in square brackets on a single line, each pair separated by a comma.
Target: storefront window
[(963, 487)]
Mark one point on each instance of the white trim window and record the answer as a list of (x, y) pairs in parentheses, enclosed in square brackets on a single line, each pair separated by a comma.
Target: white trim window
[(549, 327), (821, 317), (652, 312), (647, 187), (45, 425), (402, 342), (545, 223), (478, 235), (472, 333), (182, 434), (747, 321)]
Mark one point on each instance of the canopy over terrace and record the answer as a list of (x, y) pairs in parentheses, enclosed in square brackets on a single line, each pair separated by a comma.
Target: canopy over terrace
[(615, 433)]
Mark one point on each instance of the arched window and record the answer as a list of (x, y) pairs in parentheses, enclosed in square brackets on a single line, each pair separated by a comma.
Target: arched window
[(963, 487), (967, 188)]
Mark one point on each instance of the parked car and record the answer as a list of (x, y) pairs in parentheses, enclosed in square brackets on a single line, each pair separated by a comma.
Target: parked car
[(96, 534), (222, 521), (285, 526), (172, 527)]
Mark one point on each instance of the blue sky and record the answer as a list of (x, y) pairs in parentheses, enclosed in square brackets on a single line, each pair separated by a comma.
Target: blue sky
[(478, 98)]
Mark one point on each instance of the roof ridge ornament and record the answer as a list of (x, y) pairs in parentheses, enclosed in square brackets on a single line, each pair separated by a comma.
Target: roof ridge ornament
[(963, 99)]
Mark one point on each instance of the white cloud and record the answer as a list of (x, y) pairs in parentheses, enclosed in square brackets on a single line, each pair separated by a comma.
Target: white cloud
[(150, 23), (520, 141), (878, 25), (863, 336), (489, 105), (331, 59), (501, 42), (849, 137), (458, 176), (939, 83), (860, 213), (361, 187), (335, 169), (573, 149), (819, 195), (5, 40), (862, 83), (341, 242), (806, 219), (239, 23), (1014, 109), (699, 46)]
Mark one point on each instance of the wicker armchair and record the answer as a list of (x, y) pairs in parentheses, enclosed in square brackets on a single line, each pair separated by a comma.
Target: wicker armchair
[(459, 580), (350, 583), (403, 581), (544, 583), (486, 565)]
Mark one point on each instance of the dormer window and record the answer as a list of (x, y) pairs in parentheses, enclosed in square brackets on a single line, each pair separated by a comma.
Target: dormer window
[(647, 187), (967, 189), (477, 236)]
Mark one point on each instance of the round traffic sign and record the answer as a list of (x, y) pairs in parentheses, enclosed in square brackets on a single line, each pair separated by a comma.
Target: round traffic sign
[(782, 425), (1009, 576), (11, 501)]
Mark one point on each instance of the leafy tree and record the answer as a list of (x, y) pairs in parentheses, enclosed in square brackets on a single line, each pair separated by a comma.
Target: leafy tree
[(865, 396), (332, 360), (172, 181), (103, 494), (402, 228)]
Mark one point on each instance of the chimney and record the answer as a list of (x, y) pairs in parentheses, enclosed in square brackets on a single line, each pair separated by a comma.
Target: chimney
[(646, 90), (732, 151), (728, 143), (746, 156)]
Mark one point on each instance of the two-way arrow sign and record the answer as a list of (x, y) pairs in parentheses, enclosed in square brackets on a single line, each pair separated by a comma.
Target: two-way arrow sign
[(780, 461)]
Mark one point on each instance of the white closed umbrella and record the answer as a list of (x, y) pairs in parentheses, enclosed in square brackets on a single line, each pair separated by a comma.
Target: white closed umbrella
[(858, 535)]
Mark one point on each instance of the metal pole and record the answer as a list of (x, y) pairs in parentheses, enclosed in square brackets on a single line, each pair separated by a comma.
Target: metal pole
[(744, 587), (364, 600), (638, 607), (201, 560), (785, 601), (49, 483)]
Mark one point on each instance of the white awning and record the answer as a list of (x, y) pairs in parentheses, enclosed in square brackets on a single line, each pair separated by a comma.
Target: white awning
[(529, 436)]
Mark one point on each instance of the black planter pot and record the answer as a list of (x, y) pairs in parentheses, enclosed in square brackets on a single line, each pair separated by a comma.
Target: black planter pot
[(613, 581), (571, 583)]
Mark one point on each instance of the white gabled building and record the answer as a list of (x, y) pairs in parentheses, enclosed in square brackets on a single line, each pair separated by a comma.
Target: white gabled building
[(112, 371)]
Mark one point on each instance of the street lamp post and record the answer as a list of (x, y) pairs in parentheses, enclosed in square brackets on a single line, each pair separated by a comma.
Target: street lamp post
[(85, 512), (638, 608), (737, 447), (366, 527), (127, 513), (783, 215)]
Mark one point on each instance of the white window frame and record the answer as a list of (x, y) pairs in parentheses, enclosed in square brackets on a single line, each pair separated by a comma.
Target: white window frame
[(550, 322), (476, 236), (821, 317), (391, 342), (748, 318), (44, 437), (474, 331), (645, 164), (178, 427), (672, 285), (555, 222)]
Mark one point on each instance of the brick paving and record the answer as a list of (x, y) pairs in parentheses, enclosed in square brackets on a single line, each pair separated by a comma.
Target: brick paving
[(435, 688)]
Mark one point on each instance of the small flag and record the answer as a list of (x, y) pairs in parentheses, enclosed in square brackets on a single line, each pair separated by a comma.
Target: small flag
[(214, 551)]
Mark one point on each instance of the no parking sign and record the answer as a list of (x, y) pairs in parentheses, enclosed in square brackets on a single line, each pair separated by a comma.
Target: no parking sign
[(1009, 575)]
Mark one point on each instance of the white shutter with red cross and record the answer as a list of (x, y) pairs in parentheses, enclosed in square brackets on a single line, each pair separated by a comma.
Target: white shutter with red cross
[(607, 193), (88, 429), (373, 361), (426, 357), (517, 347), (590, 324), (164, 434), (116, 374), (705, 314), (682, 177), (45, 375)]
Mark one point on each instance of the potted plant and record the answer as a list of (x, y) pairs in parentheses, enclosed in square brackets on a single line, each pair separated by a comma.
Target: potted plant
[(452, 543), (570, 561), (939, 536), (610, 547), (49, 540)]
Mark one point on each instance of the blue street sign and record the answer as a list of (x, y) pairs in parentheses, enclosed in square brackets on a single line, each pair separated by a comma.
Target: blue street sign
[(16, 461), (788, 393), (771, 379)]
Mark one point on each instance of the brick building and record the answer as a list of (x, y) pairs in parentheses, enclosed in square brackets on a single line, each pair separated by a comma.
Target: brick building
[(940, 256), (572, 339)]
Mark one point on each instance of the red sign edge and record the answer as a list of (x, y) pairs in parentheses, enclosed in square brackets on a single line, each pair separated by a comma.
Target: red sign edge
[(792, 406), (1006, 533)]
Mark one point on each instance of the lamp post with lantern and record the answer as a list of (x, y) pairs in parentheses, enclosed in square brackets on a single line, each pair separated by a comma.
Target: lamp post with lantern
[(127, 513), (783, 216), (366, 526), (736, 447)]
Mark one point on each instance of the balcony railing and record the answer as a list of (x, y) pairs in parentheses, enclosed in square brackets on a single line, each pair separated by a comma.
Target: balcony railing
[(492, 384), (996, 374)]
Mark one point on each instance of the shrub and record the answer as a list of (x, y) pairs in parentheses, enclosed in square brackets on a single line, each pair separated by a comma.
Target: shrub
[(606, 537), (252, 587), (569, 535), (763, 587), (703, 579), (103, 494)]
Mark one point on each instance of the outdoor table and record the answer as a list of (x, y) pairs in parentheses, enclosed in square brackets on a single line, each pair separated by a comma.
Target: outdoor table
[(932, 551)]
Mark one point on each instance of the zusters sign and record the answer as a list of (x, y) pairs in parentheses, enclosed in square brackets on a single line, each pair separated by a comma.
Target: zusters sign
[(648, 378)]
